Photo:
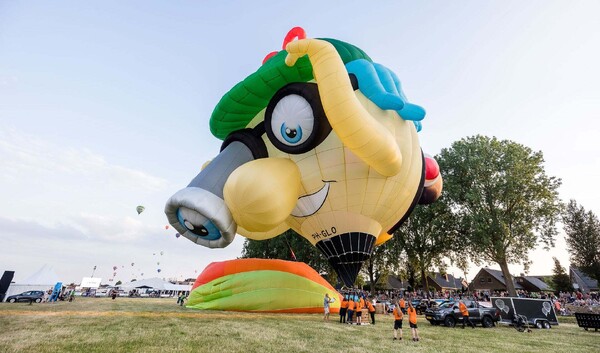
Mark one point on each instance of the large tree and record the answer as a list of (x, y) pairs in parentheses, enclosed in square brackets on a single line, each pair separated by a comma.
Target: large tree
[(505, 202), (428, 235), (384, 261), (560, 279), (583, 238)]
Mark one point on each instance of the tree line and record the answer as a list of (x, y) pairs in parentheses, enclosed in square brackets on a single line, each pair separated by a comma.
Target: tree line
[(498, 203)]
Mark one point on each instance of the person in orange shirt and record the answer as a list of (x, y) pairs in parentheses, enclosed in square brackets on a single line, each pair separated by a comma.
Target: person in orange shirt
[(402, 304), (412, 320), (398, 316), (557, 306), (343, 309), (465, 314), (360, 303), (371, 308), (351, 307)]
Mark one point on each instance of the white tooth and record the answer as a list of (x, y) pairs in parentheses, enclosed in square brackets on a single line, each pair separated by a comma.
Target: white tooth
[(309, 204)]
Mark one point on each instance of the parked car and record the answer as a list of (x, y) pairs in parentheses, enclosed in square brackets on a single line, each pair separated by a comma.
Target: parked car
[(102, 292), (449, 314), (388, 305), (415, 303), (425, 304), (34, 295), (89, 292), (439, 302), (422, 305)]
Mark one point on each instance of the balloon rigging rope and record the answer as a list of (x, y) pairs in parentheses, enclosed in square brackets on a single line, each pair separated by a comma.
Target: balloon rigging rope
[(289, 246)]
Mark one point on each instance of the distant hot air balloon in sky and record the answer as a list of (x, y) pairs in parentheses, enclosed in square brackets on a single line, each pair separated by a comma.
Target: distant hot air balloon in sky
[(132, 264), (158, 270), (161, 253), (140, 209), (177, 235), (142, 273), (158, 263), (166, 227), (115, 268)]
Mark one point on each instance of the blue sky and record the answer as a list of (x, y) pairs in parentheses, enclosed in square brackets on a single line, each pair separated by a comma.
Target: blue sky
[(105, 106)]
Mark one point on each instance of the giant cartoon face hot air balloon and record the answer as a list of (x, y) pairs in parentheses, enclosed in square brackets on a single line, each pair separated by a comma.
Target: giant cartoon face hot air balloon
[(319, 139)]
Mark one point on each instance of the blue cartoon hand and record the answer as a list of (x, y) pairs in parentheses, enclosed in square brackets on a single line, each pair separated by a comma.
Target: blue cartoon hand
[(382, 87)]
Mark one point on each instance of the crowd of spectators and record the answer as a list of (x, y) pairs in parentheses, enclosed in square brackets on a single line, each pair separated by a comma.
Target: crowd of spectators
[(571, 302), (565, 303)]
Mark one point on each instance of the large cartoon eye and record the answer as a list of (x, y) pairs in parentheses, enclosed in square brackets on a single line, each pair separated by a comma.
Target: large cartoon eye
[(198, 224), (294, 120)]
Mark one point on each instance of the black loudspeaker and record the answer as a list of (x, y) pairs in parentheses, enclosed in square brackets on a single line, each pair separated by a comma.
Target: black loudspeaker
[(5, 283)]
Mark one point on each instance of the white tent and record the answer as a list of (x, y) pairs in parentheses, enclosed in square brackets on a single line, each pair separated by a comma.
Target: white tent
[(44, 275), (154, 283), (45, 278), (157, 284)]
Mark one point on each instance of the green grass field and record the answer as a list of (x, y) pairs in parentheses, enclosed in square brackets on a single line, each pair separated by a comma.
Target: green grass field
[(159, 325)]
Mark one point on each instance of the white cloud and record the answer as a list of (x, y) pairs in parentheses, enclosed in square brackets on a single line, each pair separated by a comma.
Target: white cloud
[(8, 80), (22, 156), (112, 228), (75, 246), (83, 227)]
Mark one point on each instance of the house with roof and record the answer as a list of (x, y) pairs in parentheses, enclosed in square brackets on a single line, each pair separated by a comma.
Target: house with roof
[(581, 281), (491, 280), (394, 283), (533, 284), (445, 282), (390, 283)]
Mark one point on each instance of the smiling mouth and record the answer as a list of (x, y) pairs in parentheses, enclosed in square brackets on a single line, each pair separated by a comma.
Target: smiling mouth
[(308, 205)]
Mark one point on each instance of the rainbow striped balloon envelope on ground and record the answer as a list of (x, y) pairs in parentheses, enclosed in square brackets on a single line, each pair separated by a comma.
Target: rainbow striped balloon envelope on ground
[(262, 285)]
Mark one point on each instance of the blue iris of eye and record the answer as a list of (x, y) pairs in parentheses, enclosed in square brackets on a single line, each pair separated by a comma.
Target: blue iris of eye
[(180, 218), (291, 135), (207, 230), (213, 231)]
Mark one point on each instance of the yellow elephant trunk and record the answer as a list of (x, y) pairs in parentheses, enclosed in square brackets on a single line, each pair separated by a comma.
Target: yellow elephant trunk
[(356, 128), (261, 194)]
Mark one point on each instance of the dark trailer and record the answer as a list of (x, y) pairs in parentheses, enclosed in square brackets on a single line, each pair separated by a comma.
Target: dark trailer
[(539, 312)]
